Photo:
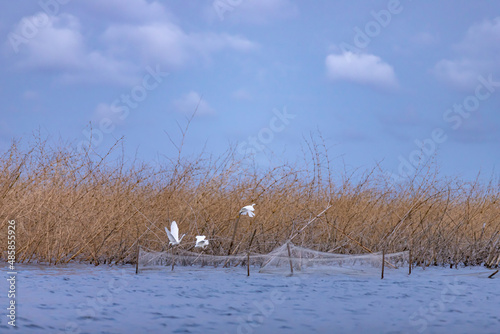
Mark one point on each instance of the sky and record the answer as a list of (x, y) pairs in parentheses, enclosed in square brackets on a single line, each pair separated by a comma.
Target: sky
[(392, 83)]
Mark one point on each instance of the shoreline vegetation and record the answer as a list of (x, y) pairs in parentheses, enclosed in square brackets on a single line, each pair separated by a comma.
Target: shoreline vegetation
[(76, 205)]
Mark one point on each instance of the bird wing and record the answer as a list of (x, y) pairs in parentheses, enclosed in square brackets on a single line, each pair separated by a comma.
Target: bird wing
[(251, 214), (175, 231), (244, 210), (170, 236), (200, 238)]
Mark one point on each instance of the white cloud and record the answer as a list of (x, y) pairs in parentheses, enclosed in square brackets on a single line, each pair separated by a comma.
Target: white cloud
[(482, 39), (477, 54), (461, 73), (117, 53), (188, 103), (167, 44), (156, 42), (365, 69), (59, 44), (60, 48), (214, 42)]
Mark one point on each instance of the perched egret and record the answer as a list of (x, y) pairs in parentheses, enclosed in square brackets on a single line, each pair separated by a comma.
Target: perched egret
[(247, 210), (201, 241), (173, 234)]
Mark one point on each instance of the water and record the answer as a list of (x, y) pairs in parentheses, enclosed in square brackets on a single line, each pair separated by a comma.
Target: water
[(89, 299)]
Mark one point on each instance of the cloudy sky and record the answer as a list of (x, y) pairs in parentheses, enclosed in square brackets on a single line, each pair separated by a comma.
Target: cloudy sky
[(389, 82)]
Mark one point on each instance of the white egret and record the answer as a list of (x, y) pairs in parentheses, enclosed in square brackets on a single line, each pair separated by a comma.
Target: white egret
[(247, 210), (201, 241), (173, 234)]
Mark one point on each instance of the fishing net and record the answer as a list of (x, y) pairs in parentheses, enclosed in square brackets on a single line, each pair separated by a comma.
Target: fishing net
[(283, 259), (179, 257), (290, 257)]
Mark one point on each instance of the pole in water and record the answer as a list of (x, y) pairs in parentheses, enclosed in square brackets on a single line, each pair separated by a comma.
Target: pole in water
[(248, 252), (173, 258), (137, 259), (232, 240), (409, 264), (290, 257), (491, 276), (383, 262), (248, 264)]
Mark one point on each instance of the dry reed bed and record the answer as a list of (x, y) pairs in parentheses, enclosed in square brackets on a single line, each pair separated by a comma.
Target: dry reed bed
[(79, 206)]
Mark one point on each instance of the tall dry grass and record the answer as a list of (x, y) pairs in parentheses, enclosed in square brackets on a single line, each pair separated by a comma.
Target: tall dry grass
[(79, 206)]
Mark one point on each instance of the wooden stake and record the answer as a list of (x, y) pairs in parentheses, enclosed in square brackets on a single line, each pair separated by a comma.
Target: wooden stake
[(383, 262), (409, 264), (248, 252), (290, 257), (232, 239), (137, 259), (173, 258), (491, 276), (248, 264)]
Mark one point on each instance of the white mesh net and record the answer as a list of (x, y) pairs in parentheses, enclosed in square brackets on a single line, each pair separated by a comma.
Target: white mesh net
[(152, 260), (283, 259), (303, 259)]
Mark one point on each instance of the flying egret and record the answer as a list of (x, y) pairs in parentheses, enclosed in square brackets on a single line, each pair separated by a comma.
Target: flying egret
[(173, 234), (247, 210), (201, 241)]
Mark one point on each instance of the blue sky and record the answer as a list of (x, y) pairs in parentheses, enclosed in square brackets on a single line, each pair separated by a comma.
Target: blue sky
[(389, 82)]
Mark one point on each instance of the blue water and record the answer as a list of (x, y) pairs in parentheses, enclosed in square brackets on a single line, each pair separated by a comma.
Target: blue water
[(89, 299)]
